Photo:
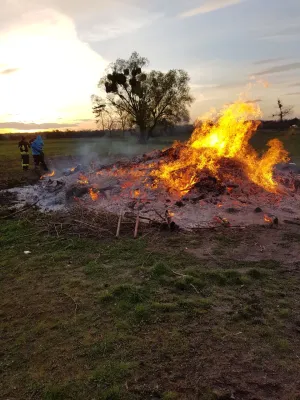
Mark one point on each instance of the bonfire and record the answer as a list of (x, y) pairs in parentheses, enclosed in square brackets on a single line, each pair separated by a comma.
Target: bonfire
[(216, 177)]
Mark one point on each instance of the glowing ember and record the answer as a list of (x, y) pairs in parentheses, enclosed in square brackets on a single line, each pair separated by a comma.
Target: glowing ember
[(136, 193), (48, 175), (94, 195), (83, 180), (72, 169), (268, 219), (225, 138)]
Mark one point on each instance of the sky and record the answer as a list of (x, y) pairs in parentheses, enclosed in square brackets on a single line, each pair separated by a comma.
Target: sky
[(53, 53)]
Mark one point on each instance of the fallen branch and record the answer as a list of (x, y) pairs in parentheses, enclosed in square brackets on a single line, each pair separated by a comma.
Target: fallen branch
[(287, 221), (92, 226)]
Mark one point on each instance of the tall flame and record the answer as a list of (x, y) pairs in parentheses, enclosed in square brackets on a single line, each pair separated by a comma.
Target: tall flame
[(227, 137)]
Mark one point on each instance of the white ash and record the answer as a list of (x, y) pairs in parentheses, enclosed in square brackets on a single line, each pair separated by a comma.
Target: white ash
[(121, 190)]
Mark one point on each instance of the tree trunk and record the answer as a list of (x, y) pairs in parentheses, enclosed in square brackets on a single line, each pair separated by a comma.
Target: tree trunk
[(143, 136)]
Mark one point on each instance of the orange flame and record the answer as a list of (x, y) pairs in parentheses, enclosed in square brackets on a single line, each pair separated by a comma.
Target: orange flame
[(94, 195), (227, 137), (72, 169), (83, 180), (48, 175)]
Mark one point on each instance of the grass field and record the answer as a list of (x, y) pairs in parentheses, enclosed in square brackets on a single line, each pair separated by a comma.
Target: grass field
[(166, 316)]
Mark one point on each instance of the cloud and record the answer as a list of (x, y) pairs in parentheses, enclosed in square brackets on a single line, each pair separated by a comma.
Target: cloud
[(288, 32), (31, 126), (209, 6), (9, 71), (118, 27), (293, 94), (279, 68), (268, 61), (294, 84)]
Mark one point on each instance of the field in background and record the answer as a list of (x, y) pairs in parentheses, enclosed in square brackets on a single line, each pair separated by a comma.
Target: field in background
[(10, 164), (11, 173)]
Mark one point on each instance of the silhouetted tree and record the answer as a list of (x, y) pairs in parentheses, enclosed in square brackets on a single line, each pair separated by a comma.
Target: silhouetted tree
[(283, 111), (146, 98)]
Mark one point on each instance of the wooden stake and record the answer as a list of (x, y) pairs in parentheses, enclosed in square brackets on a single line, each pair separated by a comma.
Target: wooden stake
[(119, 226), (137, 225)]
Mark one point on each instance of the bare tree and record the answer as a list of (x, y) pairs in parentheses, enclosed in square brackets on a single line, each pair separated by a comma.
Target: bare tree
[(283, 111), (124, 120), (106, 118), (147, 99)]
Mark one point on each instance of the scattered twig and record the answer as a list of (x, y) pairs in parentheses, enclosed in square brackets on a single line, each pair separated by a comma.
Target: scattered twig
[(179, 274), (194, 287)]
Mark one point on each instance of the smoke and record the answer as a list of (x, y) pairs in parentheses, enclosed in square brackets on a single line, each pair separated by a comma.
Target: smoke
[(92, 153), (106, 150)]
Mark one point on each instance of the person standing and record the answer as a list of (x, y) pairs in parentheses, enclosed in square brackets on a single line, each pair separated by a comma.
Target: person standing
[(24, 150), (37, 146)]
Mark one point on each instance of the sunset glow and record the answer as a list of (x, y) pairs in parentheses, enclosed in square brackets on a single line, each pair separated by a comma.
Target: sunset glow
[(49, 74)]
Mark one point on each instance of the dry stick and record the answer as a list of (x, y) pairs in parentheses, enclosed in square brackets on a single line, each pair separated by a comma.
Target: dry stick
[(160, 216), (137, 225), (119, 226), (20, 211)]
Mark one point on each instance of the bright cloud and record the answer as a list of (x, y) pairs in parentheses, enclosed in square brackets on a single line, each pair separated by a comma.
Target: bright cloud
[(49, 73)]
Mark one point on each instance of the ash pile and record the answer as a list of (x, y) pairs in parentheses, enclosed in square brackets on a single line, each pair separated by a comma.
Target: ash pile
[(129, 187)]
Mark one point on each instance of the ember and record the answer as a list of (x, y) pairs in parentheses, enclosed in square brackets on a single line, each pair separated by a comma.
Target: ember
[(268, 219), (94, 195), (48, 175), (83, 180)]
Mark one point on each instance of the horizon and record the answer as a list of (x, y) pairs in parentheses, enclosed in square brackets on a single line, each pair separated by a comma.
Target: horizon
[(54, 53)]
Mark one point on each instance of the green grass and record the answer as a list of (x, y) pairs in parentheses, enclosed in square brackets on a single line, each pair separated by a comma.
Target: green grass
[(110, 319)]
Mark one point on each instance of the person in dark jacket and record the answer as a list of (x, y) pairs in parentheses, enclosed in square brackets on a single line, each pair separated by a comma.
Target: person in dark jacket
[(37, 146), (24, 150)]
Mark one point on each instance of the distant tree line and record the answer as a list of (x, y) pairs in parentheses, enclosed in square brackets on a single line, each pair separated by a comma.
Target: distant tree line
[(178, 130)]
